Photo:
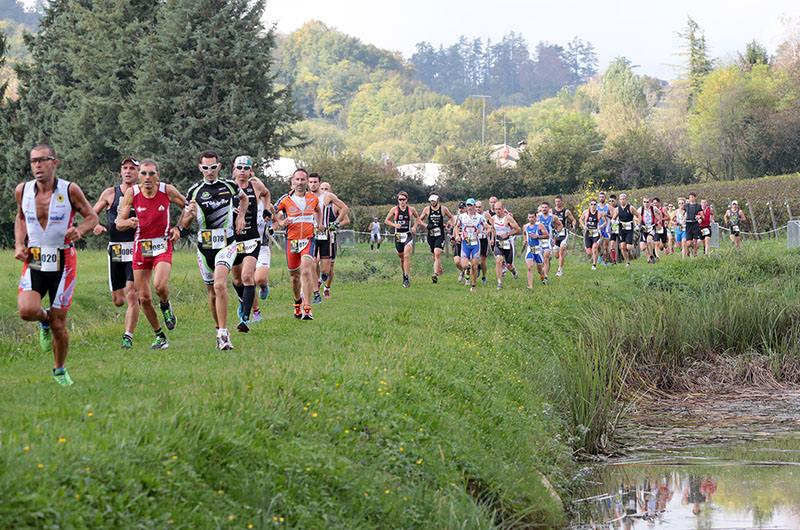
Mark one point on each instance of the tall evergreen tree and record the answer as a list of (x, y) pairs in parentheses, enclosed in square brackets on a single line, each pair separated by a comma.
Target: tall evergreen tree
[(699, 64), (204, 81)]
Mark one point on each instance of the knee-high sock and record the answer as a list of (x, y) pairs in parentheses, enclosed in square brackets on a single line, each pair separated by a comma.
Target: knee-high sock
[(247, 299), (239, 291)]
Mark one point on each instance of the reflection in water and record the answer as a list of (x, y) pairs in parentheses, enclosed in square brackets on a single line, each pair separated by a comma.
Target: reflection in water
[(683, 496)]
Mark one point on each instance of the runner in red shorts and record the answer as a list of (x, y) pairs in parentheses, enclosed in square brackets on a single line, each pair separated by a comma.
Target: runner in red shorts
[(299, 212), (152, 244), (44, 238)]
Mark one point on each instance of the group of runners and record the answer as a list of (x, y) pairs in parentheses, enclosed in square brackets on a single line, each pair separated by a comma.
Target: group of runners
[(235, 220), (612, 228)]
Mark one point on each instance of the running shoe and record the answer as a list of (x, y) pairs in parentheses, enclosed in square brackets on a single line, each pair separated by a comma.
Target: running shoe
[(559, 273), (483, 280), (257, 315), (243, 327), (307, 314), (169, 317), (61, 376), (461, 276), (263, 292), (514, 273), (406, 282), (435, 279), (317, 298), (297, 312), (127, 341), (326, 292), (224, 342), (472, 289), (544, 281), (499, 286), (160, 343), (594, 267), (45, 337), (627, 264)]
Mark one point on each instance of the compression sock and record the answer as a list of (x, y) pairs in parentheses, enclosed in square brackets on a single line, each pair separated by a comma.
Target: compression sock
[(239, 291), (247, 300)]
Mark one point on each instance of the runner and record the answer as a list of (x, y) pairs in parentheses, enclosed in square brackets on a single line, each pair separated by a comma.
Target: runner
[(552, 225), (403, 218), (661, 229), (534, 232), (438, 216), (605, 227), (44, 240), (706, 219), (120, 248), (468, 228), (504, 227), (625, 214), (484, 240), (614, 224), (591, 220), (562, 237), (375, 234), (249, 238), (334, 216), (152, 243), (650, 218), (693, 235), (670, 217), (265, 216), (679, 219), (733, 217), (211, 203), (455, 246), (300, 212)]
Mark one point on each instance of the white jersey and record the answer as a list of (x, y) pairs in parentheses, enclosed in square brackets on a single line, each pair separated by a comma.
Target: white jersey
[(59, 216), (375, 228), (501, 226), (472, 226)]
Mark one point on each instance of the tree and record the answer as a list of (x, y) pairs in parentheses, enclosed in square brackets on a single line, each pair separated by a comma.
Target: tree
[(203, 81), (356, 179), (755, 53), (699, 64), (581, 60), (622, 101)]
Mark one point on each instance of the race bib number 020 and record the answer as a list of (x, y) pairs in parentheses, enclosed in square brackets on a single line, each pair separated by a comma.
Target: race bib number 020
[(44, 259)]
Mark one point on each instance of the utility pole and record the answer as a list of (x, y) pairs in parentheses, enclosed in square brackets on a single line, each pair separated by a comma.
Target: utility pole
[(483, 119)]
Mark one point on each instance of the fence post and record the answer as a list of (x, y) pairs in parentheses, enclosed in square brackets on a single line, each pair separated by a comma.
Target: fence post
[(772, 216), (789, 210), (753, 220)]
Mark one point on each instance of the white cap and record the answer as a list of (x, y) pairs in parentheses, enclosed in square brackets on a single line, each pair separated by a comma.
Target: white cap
[(434, 198)]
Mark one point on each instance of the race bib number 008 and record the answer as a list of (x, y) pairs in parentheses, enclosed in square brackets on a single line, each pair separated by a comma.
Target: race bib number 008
[(44, 259), (153, 247), (121, 252)]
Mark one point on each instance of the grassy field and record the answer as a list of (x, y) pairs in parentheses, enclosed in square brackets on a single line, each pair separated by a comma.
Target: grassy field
[(420, 407)]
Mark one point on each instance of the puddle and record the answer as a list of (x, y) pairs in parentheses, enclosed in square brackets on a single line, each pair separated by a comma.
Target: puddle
[(695, 461)]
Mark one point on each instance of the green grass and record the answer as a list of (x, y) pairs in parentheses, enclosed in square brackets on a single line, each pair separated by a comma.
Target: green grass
[(420, 407)]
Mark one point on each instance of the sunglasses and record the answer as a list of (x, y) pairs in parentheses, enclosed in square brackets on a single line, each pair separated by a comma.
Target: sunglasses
[(592, 204), (148, 173), (42, 159), (212, 167), (246, 168), (402, 198)]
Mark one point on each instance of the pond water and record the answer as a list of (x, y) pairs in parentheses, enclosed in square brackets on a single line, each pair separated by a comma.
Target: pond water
[(721, 463)]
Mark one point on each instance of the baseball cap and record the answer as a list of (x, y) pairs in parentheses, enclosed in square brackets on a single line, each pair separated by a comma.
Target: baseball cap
[(243, 160), (130, 159), (462, 204), (470, 202), (434, 198)]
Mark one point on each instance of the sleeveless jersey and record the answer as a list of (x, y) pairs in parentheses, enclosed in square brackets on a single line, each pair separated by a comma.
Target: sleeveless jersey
[(501, 227), (603, 209), (734, 218), (472, 226), (300, 213), (403, 218), (547, 221), (251, 215), (59, 216), (153, 213), (705, 220), (435, 219), (691, 212), (114, 235), (592, 220), (375, 228), (680, 218), (214, 204), (532, 234), (624, 214)]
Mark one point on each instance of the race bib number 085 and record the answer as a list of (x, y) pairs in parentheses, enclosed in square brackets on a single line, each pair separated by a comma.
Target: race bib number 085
[(153, 247)]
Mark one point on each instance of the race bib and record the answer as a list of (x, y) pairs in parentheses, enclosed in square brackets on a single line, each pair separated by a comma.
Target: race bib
[(627, 225), (660, 230), (246, 247), (296, 246), (401, 237), (615, 227), (322, 236), (44, 259), (472, 239), (706, 231), (436, 232), (735, 228), (121, 252), (563, 233), (214, 238), (505, 244), (594, 233), (153, 247)]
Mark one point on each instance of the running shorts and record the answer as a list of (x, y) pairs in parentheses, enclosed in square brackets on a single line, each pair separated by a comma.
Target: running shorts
[(58, 285)]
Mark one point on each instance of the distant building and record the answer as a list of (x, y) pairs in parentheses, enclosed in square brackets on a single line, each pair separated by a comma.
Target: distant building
[(505, 156), (428, 171)]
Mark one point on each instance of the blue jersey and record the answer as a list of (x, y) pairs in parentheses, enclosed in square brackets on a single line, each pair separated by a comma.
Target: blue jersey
[(603, 209), (547, 221), (532, 234)]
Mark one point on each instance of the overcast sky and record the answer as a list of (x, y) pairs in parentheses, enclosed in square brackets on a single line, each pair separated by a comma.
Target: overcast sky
[(644, 32)]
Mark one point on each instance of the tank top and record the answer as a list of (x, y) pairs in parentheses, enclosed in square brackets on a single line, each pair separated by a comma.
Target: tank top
[(734, 218), (705, 220), (114, 235), (531, 230), (547, 221), (435, 218), (471, 227), (691, 212), (375, 228), (59, 216), (403, 219), (591, 220), (501, 228), (624, 214), (603, 209), (251, 215), (647, 216), (153, 213), (680, 218)]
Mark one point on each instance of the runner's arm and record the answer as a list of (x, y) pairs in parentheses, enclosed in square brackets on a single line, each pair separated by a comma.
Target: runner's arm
[(175, 196), (20, 227), (515, 229), (344, 210), (101, 204), (388, 220), (572, 218), (122, 221), (244, 204), (726, 217), (414, 215), (423, 216), (82, 206)]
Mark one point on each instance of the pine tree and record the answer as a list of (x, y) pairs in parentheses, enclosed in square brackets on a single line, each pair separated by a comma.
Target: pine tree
[(700, 65), (204, 81)]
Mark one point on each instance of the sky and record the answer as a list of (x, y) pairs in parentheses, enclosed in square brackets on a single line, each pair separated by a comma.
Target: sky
[(644, 32)]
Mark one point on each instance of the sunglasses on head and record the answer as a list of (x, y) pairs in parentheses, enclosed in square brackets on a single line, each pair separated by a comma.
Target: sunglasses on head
[(246, 168), (42, 159), (212, 167)]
